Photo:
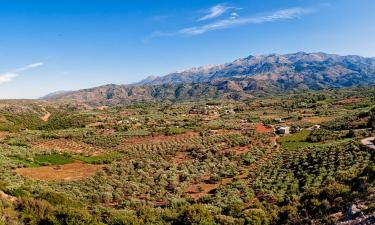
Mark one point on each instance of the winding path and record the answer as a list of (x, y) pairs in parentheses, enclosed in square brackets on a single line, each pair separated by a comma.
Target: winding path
[(3, 195), (46, 116)]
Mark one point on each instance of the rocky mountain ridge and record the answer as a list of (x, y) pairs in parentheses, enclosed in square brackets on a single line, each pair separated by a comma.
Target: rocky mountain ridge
[(242, 78)]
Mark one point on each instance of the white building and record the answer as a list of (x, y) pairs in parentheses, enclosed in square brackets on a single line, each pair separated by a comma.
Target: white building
[(315, 127), (283, 130)]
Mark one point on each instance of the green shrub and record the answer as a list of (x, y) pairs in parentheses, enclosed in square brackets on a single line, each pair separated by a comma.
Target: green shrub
[(61, 121), (53, 159)]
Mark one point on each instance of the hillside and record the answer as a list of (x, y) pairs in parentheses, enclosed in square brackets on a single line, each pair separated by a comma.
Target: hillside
[(243, 78)]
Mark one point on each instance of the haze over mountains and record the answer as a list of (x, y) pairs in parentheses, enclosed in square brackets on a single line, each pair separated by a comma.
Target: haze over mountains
[(242, 78)]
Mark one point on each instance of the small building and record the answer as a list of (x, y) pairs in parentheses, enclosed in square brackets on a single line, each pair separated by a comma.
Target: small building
[(212, 132), (278, 120), (283, 130), (315, 127)]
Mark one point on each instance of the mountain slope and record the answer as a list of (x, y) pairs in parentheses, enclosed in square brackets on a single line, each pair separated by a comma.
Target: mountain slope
[(124, 94), (314, 70), (55, 94), (243, 78)]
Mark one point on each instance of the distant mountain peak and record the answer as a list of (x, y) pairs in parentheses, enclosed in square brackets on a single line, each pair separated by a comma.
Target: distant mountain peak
[(243, 77), (249, 66)]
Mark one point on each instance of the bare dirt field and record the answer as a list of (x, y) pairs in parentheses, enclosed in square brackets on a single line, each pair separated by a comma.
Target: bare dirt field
[(68, 172), (260, 128), (270, 116), (318, 120), (180, 158)]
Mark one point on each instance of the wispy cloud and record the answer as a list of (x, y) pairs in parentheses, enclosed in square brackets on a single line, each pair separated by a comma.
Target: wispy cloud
[(234, 15), (9, 76), (235, 20), (6, 77), (215, 11)]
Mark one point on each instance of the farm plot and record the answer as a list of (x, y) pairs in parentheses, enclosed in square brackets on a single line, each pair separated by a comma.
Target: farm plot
[(318, 120), (260, 128), (68, 172), (298, 169), (158, 138), (69, 146), (250, 159)]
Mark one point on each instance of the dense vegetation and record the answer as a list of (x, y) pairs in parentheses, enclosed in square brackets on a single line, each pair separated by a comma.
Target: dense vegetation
[(203, 162)]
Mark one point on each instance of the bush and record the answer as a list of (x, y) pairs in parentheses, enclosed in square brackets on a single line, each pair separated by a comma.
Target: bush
[(36, 211), (61, 121), (196, 214)]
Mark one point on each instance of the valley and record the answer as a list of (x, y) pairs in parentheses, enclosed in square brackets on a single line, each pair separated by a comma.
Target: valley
[(214, 161), (187, 112)]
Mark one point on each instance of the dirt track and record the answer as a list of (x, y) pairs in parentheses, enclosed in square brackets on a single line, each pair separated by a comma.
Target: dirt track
[(46, 116), (369, 142)]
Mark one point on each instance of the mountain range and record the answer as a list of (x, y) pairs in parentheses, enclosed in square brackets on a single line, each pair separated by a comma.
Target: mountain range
[(242, 78)]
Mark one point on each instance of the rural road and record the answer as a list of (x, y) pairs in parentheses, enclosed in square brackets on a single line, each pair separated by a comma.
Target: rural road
[(369, 142)]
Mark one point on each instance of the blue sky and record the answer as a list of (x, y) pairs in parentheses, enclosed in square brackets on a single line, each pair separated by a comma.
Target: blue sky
[(47, 46)]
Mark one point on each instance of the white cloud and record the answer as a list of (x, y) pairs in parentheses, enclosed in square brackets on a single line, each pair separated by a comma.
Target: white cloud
[(234, 15), (9, 76), (30, 66), (215, 11), (6, 77), (233, 21)]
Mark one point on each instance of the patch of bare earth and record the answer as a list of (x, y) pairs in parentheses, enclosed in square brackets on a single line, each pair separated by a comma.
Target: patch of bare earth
[(237, 150), (97, 124), (7, 197), (46, 116), (3, 135), (260, 128), (270, 116), (205, 187), (317, 119), (70, 146), (67, 172), (103, 107), (180, 158)]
